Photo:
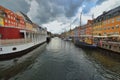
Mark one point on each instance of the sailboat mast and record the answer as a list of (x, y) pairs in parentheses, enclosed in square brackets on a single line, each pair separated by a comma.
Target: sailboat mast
[(92, 28), (80, 18)]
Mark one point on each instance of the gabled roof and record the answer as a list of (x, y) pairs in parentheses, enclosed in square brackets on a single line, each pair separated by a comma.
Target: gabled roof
[(25, 17)]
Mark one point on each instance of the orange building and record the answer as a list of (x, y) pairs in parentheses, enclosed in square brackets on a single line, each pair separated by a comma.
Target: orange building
[(20, 22), (28, 23), (8, 17), (111, 26), (88, 32), (107, 24), (106, 30), (89, 27)]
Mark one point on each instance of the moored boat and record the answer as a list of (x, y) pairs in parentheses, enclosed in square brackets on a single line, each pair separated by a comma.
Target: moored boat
[(82, 43), (84, 36), (111, 43), (18, 34)]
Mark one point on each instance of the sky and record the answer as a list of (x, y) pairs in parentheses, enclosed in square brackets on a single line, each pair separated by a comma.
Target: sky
[(60, 15)]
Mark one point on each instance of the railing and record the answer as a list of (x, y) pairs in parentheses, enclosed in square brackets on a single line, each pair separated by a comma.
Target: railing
[(111, 42), (14, 41), (110, 45)]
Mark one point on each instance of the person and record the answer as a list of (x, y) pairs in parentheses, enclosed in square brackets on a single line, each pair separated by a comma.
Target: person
[(100, 43)]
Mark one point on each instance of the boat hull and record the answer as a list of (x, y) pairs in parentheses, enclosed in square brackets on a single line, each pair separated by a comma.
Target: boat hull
[(24, 49), (84, 45)]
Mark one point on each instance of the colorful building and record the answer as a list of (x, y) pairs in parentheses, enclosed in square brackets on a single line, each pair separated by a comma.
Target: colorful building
[(103, 31), (89, 32), (89, 28), (107, 24), (106, 30)]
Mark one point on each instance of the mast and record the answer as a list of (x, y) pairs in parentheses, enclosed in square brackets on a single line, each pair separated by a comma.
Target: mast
[(80, 18), (92, 28), (80, 22)]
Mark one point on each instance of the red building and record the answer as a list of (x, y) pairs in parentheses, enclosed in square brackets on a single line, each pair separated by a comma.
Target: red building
[(12, 26), (10, 33)]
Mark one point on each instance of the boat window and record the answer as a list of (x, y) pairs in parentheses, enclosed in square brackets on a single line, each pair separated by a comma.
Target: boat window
[(14, 48)]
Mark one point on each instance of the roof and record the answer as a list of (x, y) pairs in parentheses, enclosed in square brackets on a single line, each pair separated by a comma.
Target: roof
[(109, 14), (25, 17)]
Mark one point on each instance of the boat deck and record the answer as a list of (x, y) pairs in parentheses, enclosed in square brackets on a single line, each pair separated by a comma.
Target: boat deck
[(9, 42), (110, 45)]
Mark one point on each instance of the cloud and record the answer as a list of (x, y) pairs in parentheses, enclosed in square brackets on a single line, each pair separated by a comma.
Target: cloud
[(33, 10), (57, 15), (99, 2), (106, 6), (15, 5), (56, 26), (46, 11), (98, 9)]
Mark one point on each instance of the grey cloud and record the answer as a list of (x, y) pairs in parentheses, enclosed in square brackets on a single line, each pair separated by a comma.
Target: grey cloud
[(51, 9), (15, 5), (47, 10)]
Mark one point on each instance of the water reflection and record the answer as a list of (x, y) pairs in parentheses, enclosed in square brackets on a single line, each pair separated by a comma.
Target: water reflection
[(14, 66), (61, 60), (109, 61)]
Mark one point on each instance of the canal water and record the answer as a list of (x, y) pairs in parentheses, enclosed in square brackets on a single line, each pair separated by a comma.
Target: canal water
[(62, 60)]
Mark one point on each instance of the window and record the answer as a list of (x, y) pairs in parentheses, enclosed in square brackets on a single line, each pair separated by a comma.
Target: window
[(112, 27), (8, 16), (6, 21), (104, 28), (117, 26), (2, 13), (118, 19), (104, 22), (12, 17), (112, 20), (18, 20), (109, 46), (108, 21)]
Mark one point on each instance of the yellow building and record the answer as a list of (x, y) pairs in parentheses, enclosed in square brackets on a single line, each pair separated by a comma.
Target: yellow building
[(97, 28), (1, 22), (29, 26)]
